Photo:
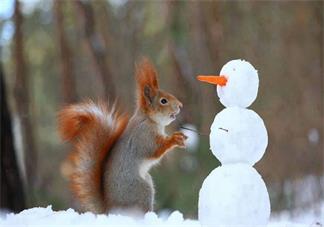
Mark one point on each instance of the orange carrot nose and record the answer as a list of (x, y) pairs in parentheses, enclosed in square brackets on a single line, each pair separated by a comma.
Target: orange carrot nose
[(217, 80)]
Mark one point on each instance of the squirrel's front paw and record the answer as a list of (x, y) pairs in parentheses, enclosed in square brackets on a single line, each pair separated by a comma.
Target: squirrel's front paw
[(178, 138)]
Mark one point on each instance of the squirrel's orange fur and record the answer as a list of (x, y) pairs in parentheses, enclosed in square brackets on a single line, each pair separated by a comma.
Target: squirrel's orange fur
[(91, 124)]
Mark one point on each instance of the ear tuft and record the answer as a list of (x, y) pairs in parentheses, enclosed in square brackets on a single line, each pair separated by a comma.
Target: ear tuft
[(146, 74), (147, 84)]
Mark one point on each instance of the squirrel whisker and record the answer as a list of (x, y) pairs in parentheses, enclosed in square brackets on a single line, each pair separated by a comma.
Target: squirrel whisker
[(193, 130)]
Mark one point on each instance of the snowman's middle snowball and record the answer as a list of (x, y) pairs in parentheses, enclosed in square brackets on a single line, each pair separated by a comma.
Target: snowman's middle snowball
[(238, 135)]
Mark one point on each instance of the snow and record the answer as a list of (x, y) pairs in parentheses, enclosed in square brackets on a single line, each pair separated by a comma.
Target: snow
[(242, 84), (234, 194), (238, 135), (47, 217), (301, 218)]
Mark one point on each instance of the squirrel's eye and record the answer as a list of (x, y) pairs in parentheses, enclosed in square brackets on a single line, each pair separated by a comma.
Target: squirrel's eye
[(164, 101)]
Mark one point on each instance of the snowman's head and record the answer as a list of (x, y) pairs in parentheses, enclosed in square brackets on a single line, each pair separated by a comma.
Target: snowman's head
[(237, 84)]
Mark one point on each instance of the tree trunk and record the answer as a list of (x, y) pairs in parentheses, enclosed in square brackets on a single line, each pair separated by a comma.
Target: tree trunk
[(22, 101), (66, 65), (12, 193), (95, 46)]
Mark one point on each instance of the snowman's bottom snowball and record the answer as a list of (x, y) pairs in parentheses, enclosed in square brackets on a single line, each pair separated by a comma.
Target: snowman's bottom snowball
[(234, 194)]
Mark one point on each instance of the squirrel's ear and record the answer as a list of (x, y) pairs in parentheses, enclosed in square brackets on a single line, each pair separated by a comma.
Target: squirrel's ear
[(146, 75), (148, 94), (147, 84)]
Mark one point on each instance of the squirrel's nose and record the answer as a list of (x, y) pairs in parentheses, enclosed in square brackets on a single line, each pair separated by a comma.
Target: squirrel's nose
[(180, 105)]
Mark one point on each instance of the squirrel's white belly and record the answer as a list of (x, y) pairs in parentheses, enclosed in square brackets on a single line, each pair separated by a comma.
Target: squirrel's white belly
[(145, 166)]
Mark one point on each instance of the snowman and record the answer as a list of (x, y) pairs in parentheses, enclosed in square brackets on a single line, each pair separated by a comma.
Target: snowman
[(234, 193)]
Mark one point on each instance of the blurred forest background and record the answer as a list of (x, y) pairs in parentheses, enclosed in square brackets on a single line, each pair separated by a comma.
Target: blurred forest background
[(59, 52)]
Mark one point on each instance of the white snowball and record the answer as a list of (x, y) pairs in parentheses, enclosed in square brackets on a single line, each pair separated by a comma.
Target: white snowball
[(238, 135), (242, 84), (233, 194), (193, 138)]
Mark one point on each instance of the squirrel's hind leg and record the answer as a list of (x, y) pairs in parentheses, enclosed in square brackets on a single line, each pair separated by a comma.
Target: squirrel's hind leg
[(134, 198), (143, 194)]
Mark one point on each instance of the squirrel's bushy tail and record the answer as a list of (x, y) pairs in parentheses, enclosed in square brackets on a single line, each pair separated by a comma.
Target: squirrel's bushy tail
[(92, 129)]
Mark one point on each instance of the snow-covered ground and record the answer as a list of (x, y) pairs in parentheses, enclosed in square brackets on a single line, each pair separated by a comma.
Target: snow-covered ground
[(311, 217), (47, 217)]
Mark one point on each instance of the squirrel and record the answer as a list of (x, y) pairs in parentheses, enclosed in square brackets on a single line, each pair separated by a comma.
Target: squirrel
[(108, 168)]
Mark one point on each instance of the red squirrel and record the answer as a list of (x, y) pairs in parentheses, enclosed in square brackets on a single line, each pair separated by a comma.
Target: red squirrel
[(108, 168)]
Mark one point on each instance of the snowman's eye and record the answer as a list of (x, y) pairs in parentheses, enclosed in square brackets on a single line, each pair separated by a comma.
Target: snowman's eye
[(163, 101)]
